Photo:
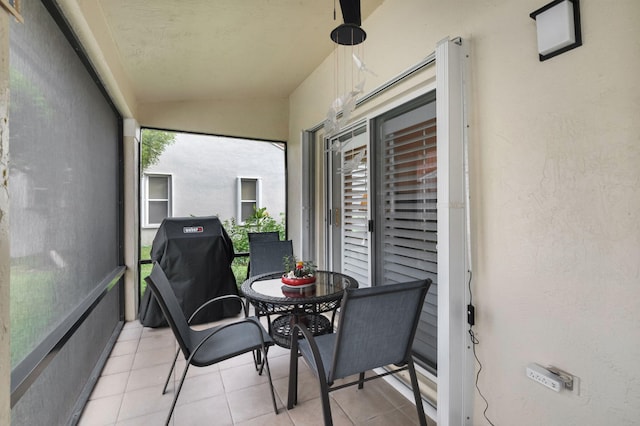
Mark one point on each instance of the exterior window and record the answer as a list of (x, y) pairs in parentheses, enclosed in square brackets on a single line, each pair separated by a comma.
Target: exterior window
[(158, 200), (248, 197)]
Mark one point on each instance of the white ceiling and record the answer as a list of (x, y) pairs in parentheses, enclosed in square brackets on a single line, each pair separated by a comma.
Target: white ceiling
[(221, 49)]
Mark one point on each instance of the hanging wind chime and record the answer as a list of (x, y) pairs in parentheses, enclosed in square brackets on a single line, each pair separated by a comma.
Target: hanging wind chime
[(349, 67)]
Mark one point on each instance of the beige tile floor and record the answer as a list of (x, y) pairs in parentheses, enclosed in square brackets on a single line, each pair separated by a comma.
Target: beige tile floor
[(129, 391)]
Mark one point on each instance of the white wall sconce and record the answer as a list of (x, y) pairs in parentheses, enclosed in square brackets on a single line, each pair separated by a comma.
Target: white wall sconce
[(558, 25)]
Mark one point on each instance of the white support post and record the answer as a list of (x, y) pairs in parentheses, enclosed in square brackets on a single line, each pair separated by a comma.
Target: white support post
[(131, 142)]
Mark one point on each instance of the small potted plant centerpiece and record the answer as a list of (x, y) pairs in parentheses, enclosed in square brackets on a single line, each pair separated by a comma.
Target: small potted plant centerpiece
[(298, 272)]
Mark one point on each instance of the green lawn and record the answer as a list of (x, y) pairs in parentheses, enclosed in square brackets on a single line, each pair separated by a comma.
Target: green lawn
[(32, 294)]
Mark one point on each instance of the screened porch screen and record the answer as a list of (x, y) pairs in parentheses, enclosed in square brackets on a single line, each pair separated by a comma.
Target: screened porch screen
[(64, 214)]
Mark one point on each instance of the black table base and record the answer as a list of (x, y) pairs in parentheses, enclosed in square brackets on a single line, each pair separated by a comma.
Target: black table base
[(281, 327)]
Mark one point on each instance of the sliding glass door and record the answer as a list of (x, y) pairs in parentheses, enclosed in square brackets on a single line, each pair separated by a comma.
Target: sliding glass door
[(406, 208), (382, 206), (404, 216)]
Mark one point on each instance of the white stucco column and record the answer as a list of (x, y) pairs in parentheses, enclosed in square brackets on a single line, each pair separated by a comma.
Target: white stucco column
[(131, 142), (5, 260)]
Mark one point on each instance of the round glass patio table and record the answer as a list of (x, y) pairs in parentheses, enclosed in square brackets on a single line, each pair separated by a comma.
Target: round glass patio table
[(304, 304)]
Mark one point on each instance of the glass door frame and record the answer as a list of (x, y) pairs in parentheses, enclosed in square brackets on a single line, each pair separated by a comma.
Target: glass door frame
[(335, 183)]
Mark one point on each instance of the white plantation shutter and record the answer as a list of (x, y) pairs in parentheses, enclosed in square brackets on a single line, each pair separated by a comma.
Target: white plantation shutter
[(407, 208), (355, 237)]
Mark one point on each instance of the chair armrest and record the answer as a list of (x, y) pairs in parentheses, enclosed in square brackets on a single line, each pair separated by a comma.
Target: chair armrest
[(315, 352), (222, 327), (245, 308)]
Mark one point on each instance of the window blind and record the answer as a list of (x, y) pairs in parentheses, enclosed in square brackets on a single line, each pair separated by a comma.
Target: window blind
[(355, 215), (406, 219)]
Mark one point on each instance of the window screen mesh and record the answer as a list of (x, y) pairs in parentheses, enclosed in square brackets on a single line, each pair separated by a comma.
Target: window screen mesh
[(63, 198)]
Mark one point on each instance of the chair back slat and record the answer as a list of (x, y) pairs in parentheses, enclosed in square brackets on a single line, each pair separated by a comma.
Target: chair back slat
[(268, 256), (161, 288), (377, 326), (256, 237)]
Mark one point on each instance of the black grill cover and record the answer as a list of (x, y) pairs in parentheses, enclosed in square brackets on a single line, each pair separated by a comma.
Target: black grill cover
[(195, 254)]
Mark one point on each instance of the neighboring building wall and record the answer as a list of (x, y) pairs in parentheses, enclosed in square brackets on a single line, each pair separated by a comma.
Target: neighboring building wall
[(204, 171), (555, 192)]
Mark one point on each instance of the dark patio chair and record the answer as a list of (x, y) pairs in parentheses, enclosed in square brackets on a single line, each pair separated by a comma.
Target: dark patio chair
[(376, 329), (268, 256), (257, 237), (265, 257), (212, 345)]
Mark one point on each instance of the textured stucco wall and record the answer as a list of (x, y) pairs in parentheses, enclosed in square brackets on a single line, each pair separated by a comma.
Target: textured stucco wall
[(555, 196), (5, 355)]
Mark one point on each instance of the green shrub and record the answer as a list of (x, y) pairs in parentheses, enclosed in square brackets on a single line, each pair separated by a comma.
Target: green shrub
[(260, 221)]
